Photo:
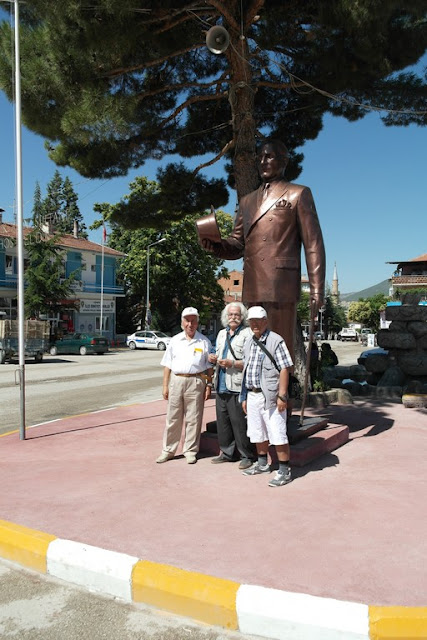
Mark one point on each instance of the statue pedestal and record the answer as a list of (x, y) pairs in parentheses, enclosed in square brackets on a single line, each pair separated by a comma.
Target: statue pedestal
[(309, 440)]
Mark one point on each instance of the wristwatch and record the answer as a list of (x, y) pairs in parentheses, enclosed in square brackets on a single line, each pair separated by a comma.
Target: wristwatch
[(284, 398)]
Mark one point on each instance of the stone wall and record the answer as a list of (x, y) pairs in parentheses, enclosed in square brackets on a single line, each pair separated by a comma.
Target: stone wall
[(402, 371), (406, 341)]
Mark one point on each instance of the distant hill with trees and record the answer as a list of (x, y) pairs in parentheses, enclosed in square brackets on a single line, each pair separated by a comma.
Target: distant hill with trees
[(382, 287)]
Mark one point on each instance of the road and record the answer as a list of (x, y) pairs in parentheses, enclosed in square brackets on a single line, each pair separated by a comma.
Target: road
[(61, 386), (39, 607), (66, 385)]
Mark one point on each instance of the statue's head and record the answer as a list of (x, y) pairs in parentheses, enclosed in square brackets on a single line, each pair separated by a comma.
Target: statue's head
[(272, 159)]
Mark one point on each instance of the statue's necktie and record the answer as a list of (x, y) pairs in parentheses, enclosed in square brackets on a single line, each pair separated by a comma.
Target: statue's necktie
[(265, 192)]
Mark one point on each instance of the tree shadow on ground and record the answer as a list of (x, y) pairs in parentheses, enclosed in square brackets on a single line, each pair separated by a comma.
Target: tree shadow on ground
[(360, 416)]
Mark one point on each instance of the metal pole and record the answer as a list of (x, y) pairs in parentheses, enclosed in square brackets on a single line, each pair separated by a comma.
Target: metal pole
[(147, 298), (147, 306), (102, 286), (19, 199), (307, 363)]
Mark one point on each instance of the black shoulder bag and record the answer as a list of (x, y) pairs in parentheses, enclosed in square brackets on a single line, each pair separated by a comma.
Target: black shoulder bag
[(227, 337), (294, 387)]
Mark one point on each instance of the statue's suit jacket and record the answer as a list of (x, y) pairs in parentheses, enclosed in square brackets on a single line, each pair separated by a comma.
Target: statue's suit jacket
[(269, 234)]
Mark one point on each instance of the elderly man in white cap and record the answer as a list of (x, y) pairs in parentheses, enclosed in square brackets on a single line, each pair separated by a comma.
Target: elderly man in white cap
[(187, 383), (264, 395)]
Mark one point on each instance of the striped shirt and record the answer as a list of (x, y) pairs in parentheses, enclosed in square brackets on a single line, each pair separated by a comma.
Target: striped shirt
[(256, 357)]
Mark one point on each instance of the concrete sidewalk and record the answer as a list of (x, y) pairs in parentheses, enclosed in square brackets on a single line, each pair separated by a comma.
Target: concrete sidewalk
[(338, 553)]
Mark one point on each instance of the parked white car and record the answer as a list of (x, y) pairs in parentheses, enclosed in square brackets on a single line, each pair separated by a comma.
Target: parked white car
[(148, 340), (348, 334)]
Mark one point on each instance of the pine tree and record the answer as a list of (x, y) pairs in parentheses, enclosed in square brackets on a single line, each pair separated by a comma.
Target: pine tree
[(138, 82), (45, 285), (54, 200), (37, 212), (70, 212)]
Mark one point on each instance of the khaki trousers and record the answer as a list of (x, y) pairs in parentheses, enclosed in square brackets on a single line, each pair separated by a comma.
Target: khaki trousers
[(185, 404)]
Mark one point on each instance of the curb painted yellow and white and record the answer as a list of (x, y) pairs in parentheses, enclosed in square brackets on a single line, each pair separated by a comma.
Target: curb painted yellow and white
[(250, 609)]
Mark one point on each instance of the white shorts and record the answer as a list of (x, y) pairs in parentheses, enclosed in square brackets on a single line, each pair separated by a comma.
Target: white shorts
[(265, 424)]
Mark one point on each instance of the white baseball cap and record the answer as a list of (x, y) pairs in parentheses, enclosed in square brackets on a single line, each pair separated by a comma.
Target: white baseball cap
[(189, 311), (257, 312)]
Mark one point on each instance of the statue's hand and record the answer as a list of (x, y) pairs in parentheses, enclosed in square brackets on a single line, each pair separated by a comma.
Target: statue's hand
[(316, 302), (208, 245)]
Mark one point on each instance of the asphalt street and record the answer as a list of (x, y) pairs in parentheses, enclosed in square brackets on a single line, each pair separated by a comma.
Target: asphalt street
[(36, 607), (62, 386)]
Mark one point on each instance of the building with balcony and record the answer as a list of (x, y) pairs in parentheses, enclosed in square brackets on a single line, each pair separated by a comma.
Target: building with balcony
[(409, 274), (82, 310)]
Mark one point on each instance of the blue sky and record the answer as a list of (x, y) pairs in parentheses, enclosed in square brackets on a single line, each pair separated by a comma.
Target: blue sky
[(368, 181)]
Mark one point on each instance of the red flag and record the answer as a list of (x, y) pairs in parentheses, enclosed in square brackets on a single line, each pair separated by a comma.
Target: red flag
[(104, 233)]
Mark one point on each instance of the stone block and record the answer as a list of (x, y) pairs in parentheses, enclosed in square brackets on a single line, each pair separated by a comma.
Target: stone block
[(407, 313), (414, 364), (415, 400), (387, 392), (339, 396), (397, 326), (389, 340), (316, 445), (342, 372), (415, 386), (373, 377), (419, 329), (392, 377), (298, 430), (329, 374), (377, 363), (357, 389), (358, 373)]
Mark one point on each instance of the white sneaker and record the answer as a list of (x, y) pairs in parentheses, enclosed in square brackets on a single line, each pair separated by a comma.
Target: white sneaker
[(256, 469), (164, 457), (281, 478), (191, 458)]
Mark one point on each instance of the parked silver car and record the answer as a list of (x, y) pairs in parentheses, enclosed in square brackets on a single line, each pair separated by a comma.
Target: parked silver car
[(148, 340)]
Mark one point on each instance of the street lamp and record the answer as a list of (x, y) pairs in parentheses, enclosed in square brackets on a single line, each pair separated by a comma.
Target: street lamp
[(147, 311)]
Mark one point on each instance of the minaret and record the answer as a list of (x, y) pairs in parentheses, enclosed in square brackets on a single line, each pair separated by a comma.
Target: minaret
[(335, 293)]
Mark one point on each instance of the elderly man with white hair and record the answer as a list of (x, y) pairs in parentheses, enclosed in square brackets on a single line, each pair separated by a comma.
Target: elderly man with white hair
[(187, 383), (230, 418)]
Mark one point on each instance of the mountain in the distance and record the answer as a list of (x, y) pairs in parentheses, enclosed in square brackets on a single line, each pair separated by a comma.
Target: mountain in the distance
[(381, 287)]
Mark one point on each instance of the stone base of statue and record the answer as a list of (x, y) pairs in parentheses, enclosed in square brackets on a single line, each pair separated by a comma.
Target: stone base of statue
[(309, 439)]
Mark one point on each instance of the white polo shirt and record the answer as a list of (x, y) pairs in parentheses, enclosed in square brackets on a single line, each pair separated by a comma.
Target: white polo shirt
[(187, 356)]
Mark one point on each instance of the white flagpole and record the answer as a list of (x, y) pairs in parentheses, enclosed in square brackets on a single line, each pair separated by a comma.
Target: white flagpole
[(102, 281), (20, 216)]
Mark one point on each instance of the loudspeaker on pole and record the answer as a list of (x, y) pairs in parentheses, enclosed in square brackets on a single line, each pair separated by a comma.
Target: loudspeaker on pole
[(217, 39)]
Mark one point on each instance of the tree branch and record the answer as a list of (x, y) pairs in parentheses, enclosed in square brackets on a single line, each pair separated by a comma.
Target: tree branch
[(220, 7), (189, 102), (227, 147), (278, 85), (251, 12), (153, 63), (185, 85)]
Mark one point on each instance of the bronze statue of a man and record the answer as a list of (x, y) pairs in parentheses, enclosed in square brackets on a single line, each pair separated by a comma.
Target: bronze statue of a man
[(271, 226)]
